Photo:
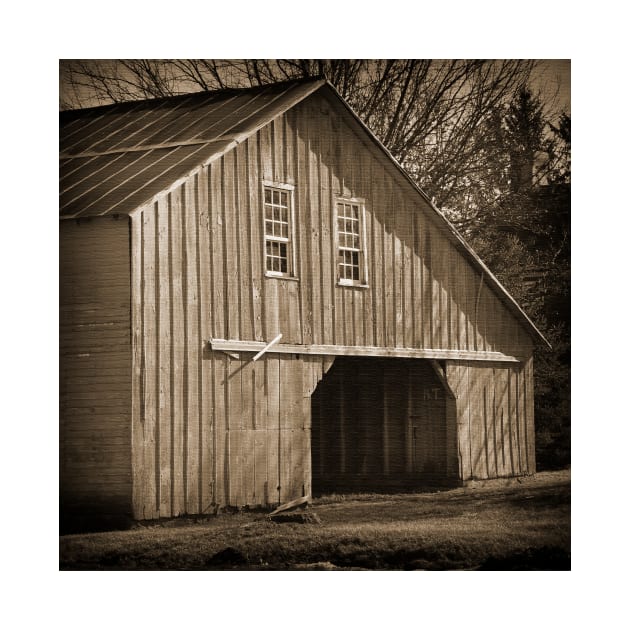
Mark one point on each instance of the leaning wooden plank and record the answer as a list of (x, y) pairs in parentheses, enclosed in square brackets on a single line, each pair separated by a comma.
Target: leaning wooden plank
[(291, 505)]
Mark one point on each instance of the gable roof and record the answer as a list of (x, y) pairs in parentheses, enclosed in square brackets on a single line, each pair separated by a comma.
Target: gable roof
[(115, 158)]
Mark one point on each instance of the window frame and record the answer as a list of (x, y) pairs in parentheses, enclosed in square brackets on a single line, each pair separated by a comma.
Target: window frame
[(362, 282), (290, 274)]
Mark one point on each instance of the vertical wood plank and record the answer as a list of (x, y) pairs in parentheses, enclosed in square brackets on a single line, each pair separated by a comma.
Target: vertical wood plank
[(429, 310), (256, 240), (399, 270), (261, 488), (215, 244), (243, 211), (312, 144), (389, 300), (305, 261), (164, 357), (211, 321), (233, 431), (273, 427), (328, 255), (138, 467), (150, 366), (516, 451), (520, 416), (176, 273), (220, 463), (377, 274), (529, 410), (490, 439), (231, 258), (192, 346), (247, 437)]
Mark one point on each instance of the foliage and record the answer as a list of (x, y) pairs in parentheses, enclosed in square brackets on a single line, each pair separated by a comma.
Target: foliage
[(523, 234)]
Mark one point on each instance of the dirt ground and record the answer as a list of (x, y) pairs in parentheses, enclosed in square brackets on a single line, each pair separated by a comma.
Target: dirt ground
[(521, 524)]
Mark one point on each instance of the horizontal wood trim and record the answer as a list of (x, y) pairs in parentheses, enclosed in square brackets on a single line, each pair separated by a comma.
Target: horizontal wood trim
[(229, 345)]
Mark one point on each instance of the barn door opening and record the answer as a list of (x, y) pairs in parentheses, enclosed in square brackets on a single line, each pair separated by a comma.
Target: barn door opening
[(379, 424)]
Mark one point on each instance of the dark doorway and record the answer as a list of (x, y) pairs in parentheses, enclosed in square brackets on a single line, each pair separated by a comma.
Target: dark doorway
[(379, 424)]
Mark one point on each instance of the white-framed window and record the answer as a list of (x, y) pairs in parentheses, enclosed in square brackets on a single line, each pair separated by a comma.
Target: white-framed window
[(350, 238), (278, 229)]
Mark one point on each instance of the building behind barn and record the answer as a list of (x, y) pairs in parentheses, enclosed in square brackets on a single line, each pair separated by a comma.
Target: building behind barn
[(197, 229)]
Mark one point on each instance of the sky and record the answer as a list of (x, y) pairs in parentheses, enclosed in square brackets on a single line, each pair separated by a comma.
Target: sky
[(552, 79)]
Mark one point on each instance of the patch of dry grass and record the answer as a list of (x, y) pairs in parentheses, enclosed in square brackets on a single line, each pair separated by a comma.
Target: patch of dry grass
[(524, 525)]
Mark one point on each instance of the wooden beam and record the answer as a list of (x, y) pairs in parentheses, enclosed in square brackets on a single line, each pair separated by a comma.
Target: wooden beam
[(234, 345)]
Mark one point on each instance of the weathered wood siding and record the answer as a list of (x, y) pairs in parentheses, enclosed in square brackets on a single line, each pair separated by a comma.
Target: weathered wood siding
[(205, 426), (208, 430), (495, 419), (95, 367), (422, 293)]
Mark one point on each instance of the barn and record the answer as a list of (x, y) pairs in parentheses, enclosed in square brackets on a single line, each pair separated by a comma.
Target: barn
[(258, 304)]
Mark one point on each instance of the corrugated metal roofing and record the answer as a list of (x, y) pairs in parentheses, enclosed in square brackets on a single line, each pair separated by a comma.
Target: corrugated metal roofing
[(116, 157)]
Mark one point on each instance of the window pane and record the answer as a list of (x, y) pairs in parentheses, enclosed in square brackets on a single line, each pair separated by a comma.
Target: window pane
[(285, 230), (283, 199), (267, 195), (355, 242), (355, 211), (276, 197), (355, 273)]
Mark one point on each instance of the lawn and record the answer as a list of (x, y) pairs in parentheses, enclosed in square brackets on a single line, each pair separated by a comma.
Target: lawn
[(523, 525)]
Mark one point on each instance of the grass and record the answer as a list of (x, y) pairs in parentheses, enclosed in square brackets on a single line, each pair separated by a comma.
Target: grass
[(525, 525)]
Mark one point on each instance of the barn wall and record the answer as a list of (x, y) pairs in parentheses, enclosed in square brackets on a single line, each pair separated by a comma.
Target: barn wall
[(95, 366), (208, 429), (495, 419), (198, 274)]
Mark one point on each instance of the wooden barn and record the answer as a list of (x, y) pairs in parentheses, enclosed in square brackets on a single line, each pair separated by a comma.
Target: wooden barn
[(257, 304)]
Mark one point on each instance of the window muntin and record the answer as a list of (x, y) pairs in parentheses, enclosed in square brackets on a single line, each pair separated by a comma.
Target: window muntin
[(350, 251), (278, 210)]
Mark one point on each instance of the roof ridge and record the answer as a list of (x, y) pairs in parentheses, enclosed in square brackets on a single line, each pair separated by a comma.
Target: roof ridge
[(71, 113)]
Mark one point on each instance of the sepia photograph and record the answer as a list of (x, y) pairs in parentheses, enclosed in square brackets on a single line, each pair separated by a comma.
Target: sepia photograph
[(314, 315)]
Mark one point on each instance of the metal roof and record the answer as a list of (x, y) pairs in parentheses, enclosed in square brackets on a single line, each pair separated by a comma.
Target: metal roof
[(116, 157)]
